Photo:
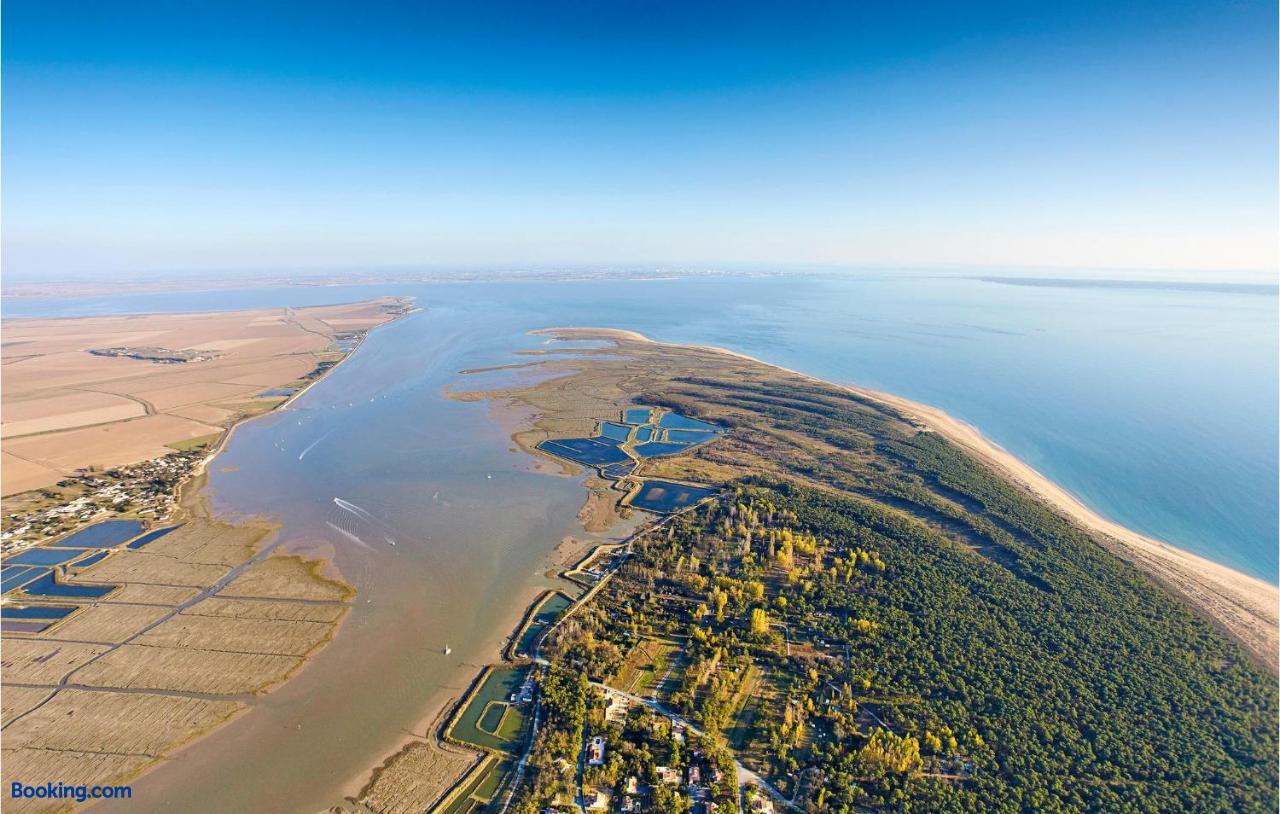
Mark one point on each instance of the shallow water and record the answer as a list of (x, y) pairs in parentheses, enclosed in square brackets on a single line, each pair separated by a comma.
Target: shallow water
[(1156, 407)]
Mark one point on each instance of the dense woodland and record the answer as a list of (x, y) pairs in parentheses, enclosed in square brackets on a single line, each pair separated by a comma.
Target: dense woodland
[(877, 622)]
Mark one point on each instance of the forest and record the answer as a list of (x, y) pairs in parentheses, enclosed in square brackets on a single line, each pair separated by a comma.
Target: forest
[(870, 619)]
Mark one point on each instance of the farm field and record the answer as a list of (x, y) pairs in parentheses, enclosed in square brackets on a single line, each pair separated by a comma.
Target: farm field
[(66, 407), (141, 650)]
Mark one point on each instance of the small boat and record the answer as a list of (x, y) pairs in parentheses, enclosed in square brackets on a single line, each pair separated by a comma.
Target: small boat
[(447, 649)]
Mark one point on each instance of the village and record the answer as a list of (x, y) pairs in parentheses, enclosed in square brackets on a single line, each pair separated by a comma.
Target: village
[(145, 491)]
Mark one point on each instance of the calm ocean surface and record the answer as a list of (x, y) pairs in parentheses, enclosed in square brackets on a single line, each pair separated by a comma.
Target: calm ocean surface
[(1156, 407)]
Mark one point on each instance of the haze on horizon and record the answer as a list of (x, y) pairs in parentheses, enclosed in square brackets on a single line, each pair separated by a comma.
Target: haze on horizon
[(188, 137)]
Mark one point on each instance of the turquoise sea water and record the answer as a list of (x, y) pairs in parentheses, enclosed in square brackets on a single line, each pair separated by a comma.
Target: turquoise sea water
[(1155, 406)]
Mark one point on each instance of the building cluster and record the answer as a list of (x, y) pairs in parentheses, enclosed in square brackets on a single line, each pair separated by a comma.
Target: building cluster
[(144, 490), (632, 795)]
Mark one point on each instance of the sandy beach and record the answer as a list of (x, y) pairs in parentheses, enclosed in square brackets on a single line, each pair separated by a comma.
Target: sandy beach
[(1244, 607)]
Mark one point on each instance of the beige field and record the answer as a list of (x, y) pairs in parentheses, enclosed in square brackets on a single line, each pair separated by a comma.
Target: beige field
[(142, 566), (187, 670), (19, 699), (110, 624), (114, 736), (35, 661), (151, 595), (413, 779), (286, 578), (279, 637), (64, 409), (168, 655)]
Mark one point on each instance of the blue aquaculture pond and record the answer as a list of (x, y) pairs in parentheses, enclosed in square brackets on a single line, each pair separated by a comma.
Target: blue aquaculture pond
[(665, 497), (590, 451), (44, 556), (618, 471), (92, 559), (672, 435), (152, 536), (645, 432), (47, 586), (36, 611), (679, 422), (688, 436), (636, 415), (19, 577), (657, 449), (107, 534), (619, 432)]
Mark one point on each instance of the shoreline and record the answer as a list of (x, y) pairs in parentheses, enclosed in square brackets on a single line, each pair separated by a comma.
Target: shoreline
[(1243, 607), (192, 504)]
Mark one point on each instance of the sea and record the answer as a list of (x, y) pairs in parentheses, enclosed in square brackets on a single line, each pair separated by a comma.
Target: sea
[(1154, 403)]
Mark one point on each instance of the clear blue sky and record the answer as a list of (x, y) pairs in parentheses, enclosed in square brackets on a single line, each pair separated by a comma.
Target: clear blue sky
[(224, 135)]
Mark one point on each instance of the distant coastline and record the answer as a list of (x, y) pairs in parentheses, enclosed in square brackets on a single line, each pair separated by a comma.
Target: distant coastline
[(1263, 289)]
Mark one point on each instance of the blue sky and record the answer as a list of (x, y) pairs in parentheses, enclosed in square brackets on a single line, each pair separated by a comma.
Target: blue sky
[(222, 135)]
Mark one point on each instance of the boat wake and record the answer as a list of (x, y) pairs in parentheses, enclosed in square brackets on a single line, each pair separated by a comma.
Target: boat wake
[(350, 508), (349, 535), (312, 445)]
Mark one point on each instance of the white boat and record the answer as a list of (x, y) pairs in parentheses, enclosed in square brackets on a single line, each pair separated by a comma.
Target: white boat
[(447, 649)]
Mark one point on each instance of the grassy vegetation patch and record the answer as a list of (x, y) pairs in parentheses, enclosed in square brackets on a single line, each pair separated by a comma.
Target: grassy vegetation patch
[(198, 442)]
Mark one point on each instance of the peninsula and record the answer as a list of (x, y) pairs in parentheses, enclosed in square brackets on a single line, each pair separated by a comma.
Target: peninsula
[(869, 605)]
